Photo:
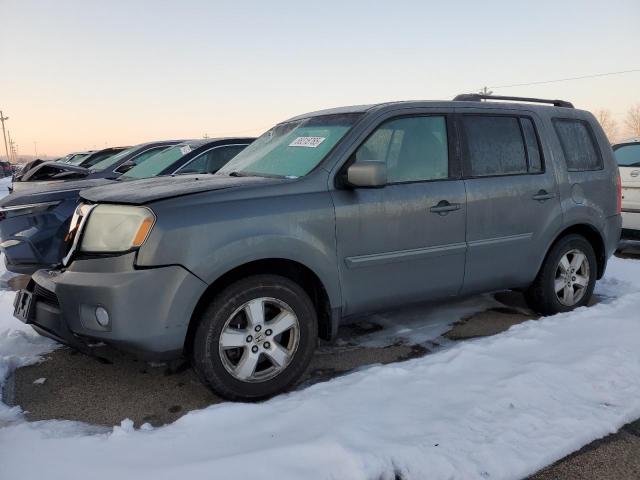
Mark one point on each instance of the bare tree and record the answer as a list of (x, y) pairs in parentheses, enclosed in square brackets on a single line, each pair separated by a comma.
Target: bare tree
[(608, 124), (633, 120)]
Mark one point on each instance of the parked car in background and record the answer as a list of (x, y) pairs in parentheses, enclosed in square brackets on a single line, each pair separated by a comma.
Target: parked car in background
[(98, 156), (35, 220), (111, 165), (627, 155), (41, 169), (73, 158), (6, 169), (193, 156), (334, 214)]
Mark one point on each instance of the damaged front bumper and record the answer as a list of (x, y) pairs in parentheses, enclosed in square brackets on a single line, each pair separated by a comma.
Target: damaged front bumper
[(143, 311)]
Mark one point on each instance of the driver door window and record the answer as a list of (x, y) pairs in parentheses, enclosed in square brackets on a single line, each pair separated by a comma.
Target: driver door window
[(414, 149)]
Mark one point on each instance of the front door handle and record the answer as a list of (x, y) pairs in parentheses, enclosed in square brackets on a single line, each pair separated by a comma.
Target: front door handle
[(443, 207), (543, 196)]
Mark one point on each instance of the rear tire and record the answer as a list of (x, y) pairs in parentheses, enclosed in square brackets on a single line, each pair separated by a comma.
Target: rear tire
[(566, 279), (256, 338)]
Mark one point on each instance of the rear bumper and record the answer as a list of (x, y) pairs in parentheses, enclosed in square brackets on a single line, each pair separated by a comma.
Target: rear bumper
[(149, 310), (631, 219)]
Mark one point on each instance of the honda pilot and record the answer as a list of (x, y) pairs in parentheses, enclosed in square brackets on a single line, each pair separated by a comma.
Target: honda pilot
[(331, 215)]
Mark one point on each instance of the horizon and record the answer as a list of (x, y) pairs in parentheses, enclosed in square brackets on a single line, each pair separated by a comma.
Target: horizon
[(149, 71)]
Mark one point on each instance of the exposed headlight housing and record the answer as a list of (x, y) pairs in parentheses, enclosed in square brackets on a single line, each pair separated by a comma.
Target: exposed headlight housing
[(26, 209), (116, 228)]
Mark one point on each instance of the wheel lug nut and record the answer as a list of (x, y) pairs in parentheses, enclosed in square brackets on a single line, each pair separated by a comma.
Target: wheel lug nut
[(254, 349), (249, 339), (267, 345), (258, 328), (268, 332)]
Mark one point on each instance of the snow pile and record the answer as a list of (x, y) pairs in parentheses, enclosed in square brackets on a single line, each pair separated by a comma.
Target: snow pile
[(498, 407)]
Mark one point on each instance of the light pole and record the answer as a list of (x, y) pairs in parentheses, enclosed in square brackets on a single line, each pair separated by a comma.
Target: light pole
[(35, 147), (2, 119)]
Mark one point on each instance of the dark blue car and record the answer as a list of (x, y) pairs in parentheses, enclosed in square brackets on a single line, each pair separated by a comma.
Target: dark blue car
[(34, 220)]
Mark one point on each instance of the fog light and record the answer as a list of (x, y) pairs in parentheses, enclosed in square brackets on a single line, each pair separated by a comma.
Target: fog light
[(102, 316)]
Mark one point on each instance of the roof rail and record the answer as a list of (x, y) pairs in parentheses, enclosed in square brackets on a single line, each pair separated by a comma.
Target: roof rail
[(476, 97)]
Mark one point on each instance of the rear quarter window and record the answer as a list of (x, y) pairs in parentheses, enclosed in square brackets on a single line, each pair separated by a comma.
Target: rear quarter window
[(628, 155), (578, 145)]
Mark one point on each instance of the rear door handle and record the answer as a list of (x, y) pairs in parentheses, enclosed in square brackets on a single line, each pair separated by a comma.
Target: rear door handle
[(443, 207), (635, 173), (543, 195)]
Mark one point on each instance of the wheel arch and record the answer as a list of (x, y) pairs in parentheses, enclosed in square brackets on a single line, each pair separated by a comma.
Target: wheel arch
[(592, 235), (326, 309)]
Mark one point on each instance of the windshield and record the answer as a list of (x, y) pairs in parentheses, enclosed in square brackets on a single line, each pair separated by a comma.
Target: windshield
[(160, 161), (107, 162), (628, 155), (291, 149), (77, 159), (97, 158)]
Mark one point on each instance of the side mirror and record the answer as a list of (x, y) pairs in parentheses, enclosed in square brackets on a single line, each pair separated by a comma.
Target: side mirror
[(367, 174), (126, 166)]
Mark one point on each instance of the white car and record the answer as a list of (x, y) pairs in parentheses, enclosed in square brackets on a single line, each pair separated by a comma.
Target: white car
[(628, 157)]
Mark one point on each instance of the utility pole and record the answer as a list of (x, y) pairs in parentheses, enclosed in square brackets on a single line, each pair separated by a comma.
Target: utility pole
[(35, 147), (6, 148), (485, 91), (12, 147)]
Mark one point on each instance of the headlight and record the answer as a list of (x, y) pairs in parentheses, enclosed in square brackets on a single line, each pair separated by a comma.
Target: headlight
[(116, 228), (27, 209)]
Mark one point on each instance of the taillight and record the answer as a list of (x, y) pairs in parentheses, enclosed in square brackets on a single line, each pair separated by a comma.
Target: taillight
[(619, 188)]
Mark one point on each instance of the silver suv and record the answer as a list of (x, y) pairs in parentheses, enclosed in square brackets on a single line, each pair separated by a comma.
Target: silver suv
[(330, 215)]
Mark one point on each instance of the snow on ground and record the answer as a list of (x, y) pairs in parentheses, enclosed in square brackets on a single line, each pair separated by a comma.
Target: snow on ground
[(419, 325), (497, 407)]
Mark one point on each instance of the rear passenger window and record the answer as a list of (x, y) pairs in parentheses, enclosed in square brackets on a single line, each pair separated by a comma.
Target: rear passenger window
[(578, 145), (495, 145), (533, 148)]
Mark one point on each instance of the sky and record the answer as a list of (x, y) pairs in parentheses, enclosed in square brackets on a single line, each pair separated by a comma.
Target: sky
[(85, 74)]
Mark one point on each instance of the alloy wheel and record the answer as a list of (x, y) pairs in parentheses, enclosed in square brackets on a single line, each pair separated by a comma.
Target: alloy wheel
[(572, 277), (259, 339)]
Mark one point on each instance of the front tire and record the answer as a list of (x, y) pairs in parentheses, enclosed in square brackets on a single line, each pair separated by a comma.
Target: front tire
[(566, 279), (256, 338)]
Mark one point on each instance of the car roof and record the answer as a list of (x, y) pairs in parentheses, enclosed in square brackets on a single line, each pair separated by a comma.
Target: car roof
[(628, 141), (199, 142), (434, 103)]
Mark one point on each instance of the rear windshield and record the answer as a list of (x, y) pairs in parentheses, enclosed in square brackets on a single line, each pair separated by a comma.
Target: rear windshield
[(291, 149), (628, 155)]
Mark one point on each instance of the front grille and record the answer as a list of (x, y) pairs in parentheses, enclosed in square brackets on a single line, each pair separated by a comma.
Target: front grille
[(43, 295)]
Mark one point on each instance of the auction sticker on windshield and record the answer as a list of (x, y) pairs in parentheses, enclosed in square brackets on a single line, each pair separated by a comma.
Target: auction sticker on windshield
[(309, 142)]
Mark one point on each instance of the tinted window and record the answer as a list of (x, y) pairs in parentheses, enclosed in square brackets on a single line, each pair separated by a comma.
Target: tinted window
[(213, 160), (533, 149), (628, 156), (495, 145), (414, 148), (578, 146)]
